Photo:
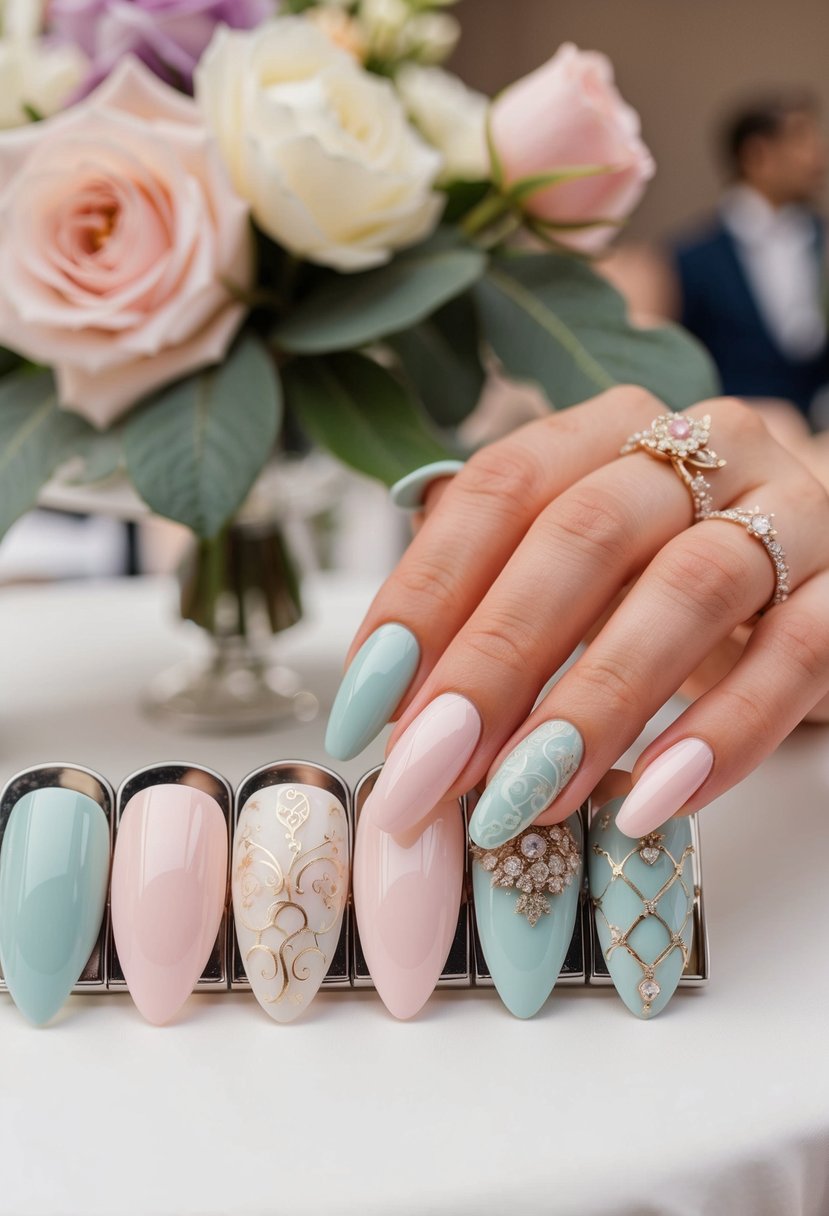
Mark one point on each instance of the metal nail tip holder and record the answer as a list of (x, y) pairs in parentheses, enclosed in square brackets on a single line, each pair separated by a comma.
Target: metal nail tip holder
[(465, 966)]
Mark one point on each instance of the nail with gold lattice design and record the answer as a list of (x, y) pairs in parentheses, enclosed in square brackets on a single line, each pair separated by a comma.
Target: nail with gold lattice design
[(642, 892)]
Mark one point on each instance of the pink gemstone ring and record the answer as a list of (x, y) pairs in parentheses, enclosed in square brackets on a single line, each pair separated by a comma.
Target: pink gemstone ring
[(683, 441)]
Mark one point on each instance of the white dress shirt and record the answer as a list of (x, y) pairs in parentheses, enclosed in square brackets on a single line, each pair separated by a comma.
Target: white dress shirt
[(777, 250)]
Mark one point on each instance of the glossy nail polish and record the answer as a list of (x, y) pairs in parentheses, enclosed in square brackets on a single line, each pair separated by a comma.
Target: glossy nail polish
[(530, 779), (406, 900), (425, 762), (409, 493), (289, 878), (371, 690), (54, 868), (526, 901), (642, 891), (169, 883), (665, 786)]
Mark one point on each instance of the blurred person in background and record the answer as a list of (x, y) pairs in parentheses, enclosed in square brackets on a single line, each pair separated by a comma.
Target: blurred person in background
[(752, 285)]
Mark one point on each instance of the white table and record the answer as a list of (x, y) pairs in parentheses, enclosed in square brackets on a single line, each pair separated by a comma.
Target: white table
[(719, 1106)]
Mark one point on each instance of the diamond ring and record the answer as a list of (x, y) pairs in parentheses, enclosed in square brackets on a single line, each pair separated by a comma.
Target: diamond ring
[(760, 525), (683, 441)]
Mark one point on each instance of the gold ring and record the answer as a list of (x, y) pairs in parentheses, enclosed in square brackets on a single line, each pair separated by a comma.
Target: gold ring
[(760, 525), (683, 441)]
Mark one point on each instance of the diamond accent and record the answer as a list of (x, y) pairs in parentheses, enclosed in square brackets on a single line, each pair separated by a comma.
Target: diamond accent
[(760, 525), (649, 990), (518, 864), (683, 441), (649, 854), (650, 847)]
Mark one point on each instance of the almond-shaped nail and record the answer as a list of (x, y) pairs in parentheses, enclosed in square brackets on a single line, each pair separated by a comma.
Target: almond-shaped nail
[(377, 677), (425, 762), (665, 786), (406, 899), (169, 882)]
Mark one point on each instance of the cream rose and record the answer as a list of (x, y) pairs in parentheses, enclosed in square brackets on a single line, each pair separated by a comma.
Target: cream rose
[(119, 231), (321, 149), (451, 116), (569, 114), (36, 74)]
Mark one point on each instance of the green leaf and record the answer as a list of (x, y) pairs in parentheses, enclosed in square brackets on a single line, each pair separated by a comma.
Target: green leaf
[(355, 310), (101, 455), (195, 449), (36, 437), (552, 320), (355, 408), (441, 358)]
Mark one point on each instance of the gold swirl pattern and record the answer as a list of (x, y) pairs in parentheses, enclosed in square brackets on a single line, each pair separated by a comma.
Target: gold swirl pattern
[(290, 882)]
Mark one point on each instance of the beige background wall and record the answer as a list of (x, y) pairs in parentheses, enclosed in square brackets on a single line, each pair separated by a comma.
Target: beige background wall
[(680, 62)]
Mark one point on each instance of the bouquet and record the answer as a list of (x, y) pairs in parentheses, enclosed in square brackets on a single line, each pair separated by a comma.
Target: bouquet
[(227, 225)]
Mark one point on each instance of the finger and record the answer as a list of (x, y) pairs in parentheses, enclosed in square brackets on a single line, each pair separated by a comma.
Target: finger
[(783, 674), (581, 550), (692, 596)]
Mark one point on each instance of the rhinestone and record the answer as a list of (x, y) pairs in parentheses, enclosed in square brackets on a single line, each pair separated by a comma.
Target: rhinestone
[(573, 862), (513, 866), (539, 872), (649, 854), (761, 524), (650, 907), (555, 834), (680, 428), (649, 990), (533, 845), (556, 886), (489, 862), (556, 865), (524, 883)]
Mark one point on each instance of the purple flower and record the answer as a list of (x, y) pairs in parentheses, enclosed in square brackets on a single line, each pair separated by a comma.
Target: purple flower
[(170, 36)]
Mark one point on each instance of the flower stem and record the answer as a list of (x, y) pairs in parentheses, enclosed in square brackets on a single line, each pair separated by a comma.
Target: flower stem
[(486, 213)]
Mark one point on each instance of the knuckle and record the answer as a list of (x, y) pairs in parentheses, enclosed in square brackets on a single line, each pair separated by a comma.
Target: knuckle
[(591, 517), (737, 417), (427, 580), (811, 496), (754, 714), (802, 640), (637, 404), (505, 471), (504, 639), (714, 578), (612, 683)]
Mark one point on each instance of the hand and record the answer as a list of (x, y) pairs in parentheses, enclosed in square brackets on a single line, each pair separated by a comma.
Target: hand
[(520, 556)]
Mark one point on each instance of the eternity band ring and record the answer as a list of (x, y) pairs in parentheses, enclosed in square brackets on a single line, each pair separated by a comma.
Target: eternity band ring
[(684, 442), (760, 525)]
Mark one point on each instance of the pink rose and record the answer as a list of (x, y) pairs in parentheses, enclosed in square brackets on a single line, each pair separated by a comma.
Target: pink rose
[(569, 113), (119, 231)]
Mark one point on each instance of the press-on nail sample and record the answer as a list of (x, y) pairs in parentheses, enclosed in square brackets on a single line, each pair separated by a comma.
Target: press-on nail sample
[(290, 884), (372, 688), (409, 493), (526, 901), (424, 763), (665, 786), (169, 882), (643, 897), (532, 776), (406, 900), (54, 869)]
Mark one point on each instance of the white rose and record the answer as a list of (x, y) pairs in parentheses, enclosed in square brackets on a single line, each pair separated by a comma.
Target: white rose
[(321, 150), (21, 18), (36, 76), (451, 116), (430, 37)]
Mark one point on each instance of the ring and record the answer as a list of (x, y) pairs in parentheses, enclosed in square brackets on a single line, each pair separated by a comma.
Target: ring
[(682, 441), (760, 525)]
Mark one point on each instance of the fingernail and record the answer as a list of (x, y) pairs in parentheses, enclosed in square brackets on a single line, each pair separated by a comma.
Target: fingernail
[(290, 884), (54, 869), (425, 762), (372, 688), (665, 786), (406, 900), (532, 776), (169, 881), (409, 493), (642, 894), (526, 900)]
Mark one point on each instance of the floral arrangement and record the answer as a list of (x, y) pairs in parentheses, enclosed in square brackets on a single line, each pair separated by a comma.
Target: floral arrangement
[(226, 221)]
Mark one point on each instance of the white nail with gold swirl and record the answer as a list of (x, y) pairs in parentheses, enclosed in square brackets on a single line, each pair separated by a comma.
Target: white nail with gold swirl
[(290, 884)]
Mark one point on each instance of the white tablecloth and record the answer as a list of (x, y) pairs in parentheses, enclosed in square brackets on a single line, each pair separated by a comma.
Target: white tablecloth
[(720, 1106)]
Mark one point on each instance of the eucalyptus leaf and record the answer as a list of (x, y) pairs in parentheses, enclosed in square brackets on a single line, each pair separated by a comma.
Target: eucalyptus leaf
[(36, 437), (195, 449), (552, 320), (441, 358), (358, 411), (101, 457), (355, 310)]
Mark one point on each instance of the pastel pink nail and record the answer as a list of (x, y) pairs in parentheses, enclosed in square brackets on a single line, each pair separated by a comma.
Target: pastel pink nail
[(169, 882), (426, 760), (406, 900), (665, 786)]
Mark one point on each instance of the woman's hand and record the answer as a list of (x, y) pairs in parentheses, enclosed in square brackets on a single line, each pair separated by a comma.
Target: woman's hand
[(520, 556)]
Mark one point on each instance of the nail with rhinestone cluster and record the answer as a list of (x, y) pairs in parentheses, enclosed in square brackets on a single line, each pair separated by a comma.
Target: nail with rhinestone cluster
[(642, 893), (526, 900)]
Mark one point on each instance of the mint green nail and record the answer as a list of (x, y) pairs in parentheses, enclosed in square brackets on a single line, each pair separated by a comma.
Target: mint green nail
[(409, 492), (532, 776), (54, 868), (524, 959), (644, 916), (371, 690)]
